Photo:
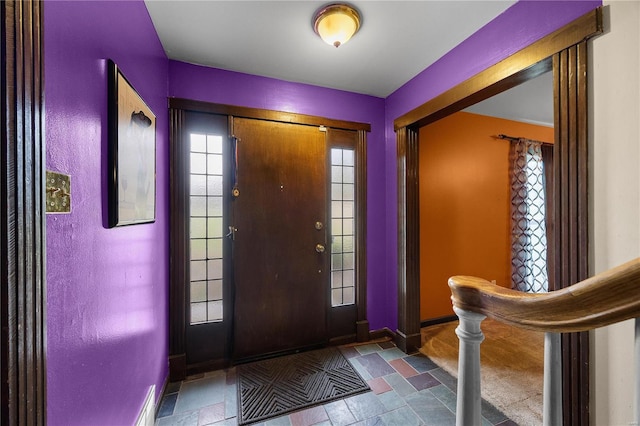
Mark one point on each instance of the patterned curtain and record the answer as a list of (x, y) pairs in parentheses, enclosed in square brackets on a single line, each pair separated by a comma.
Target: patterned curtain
[(547, 163), (528, 211)]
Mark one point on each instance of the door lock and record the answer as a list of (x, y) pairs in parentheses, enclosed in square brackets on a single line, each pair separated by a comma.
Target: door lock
[(320, 248)]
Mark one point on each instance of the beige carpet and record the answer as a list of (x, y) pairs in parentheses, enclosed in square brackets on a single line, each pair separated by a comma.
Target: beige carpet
[(511, 362)]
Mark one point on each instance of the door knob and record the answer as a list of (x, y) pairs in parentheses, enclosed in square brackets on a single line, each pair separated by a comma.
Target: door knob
[(320, 248)]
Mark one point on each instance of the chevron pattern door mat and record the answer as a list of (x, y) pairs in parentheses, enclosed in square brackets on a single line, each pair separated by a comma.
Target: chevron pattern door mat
[(273, 387)]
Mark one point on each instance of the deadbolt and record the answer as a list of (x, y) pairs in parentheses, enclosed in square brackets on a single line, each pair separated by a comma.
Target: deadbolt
[(319, 225), (320, 248)]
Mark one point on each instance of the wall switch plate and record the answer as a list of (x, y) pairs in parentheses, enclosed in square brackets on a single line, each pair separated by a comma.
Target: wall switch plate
[(58, 188)]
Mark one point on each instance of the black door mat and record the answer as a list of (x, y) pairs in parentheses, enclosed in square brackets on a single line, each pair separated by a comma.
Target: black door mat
[(273, 387)]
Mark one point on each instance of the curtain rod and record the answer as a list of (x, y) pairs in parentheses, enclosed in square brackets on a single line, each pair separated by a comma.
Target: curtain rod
[(514, 138)]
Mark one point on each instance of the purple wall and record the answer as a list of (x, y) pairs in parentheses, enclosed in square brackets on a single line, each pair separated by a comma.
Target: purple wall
[(516, 28), (225, 87), (106, 288)]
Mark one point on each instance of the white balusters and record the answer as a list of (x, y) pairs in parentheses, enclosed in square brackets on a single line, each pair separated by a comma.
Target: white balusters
[(552, 391), (468, 408), (469, 402)]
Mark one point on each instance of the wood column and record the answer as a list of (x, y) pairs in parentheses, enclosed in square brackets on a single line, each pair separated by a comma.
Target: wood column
[(177, 269), (22, 309), (571, 209), (408, 333), (362, 323)]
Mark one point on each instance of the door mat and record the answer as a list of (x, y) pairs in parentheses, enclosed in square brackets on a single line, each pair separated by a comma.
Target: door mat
[(273, 387)]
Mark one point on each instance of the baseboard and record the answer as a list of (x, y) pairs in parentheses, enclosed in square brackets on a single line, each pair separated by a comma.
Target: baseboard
[(342, 340), (440, 320), (383, 333), (147, 415), (408, 343)]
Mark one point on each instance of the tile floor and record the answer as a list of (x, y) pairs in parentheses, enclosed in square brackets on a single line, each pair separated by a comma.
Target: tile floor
[(405, 390)]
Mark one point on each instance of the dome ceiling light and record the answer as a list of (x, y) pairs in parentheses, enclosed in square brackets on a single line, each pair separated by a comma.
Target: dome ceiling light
[(336, 23)]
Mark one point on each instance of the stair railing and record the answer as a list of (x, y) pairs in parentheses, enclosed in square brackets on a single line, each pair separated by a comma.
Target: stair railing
[(607, 298)]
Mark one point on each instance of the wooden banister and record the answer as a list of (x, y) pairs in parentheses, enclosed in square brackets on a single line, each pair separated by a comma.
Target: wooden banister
[(603, 299)]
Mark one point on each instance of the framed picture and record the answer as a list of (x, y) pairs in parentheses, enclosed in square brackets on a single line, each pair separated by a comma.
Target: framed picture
[(132, 154)]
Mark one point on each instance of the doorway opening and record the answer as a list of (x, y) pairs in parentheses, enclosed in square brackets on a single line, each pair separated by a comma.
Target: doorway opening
[(565, 53)]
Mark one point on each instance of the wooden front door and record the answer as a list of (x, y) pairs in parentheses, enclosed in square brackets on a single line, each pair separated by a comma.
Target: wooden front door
[(249, 277), (279, 226)]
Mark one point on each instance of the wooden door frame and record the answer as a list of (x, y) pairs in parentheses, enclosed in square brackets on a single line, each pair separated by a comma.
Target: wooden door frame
[(23, 225), (565, 53), (178, 367)]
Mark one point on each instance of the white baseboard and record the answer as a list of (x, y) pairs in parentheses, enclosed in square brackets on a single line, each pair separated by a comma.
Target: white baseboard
[(148, 413)]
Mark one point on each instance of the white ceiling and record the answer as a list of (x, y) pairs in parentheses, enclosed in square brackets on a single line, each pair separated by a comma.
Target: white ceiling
[(397, 40), (530, 102)]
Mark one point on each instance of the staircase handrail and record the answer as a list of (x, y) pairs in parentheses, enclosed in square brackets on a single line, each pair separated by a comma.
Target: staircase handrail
[(606, 298)]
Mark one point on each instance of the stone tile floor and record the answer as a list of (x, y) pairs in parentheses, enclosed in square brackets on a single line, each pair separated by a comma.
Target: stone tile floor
[(405, 390)]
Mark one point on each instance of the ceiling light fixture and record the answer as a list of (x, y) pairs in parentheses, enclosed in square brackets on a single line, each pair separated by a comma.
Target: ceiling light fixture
[(336, 23)]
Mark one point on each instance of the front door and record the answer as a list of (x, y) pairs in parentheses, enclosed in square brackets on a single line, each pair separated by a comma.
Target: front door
[(279, 236), (267, 234)]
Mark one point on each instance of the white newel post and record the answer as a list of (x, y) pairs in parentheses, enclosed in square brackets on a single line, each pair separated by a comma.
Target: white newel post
[(552, 389), (468, 407)]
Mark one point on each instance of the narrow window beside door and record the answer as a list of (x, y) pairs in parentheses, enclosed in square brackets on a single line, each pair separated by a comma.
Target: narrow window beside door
[(342, 227), (206, 228)]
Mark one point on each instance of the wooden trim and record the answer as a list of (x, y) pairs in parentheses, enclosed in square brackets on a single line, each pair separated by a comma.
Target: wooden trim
[(523, 65), (478, 88), (362, 323), (23, 297), (264, 114), (177, 268), (383, 333), (571, 215), (343, 340), (408, 334)]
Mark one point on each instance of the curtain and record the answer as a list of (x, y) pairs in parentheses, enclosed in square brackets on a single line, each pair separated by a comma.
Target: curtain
[(547, 163), (528, 213)]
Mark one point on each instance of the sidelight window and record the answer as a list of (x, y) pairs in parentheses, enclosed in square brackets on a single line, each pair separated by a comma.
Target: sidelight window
[(206, 228), (342, 227)]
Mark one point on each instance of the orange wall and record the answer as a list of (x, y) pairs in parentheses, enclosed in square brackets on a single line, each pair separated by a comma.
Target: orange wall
[(464, 203)]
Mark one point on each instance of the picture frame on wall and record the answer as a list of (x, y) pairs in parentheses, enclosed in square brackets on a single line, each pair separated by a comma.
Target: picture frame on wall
[(132, 153)]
